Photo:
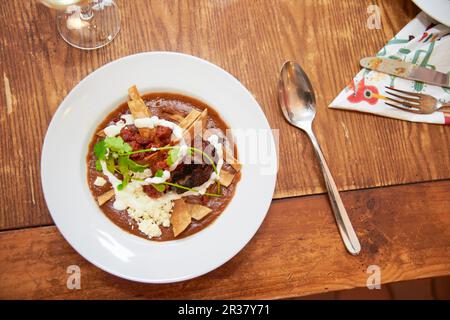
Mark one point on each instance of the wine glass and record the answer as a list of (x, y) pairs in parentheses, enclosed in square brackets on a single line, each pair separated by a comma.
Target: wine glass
[(86, 24)]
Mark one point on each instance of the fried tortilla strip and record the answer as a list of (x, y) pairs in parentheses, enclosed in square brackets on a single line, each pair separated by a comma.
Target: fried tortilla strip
[(138, 109), (189, 119), (231, 160), (101, 134), (133, 93), (103, 198), (226, 178), (180, 218), (175, 117), (198, 211), (197, 124)]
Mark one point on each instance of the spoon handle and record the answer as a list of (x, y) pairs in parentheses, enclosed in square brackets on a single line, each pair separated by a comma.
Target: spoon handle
[(345, 226)]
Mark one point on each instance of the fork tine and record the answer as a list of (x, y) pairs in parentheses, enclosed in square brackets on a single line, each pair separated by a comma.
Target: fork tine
[(409, 105), (411, 94), (417, 101), (403, 108), (404, 103)]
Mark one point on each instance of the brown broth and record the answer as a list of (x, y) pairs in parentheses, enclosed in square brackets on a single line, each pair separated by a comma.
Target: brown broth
[(162, 105)]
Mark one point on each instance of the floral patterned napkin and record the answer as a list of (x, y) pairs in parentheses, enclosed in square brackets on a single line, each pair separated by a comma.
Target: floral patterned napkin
[(424, 42)]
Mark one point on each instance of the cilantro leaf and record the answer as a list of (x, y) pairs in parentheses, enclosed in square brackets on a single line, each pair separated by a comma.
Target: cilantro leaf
[(122, 163), (159, 173), (114, 151), (125, 181), (110, 165), (117, 144), (98, 165), (100, 150), (135, 167), (173, 156), (124, 166)]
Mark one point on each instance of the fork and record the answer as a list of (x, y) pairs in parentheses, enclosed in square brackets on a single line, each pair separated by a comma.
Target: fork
[(414, 102)]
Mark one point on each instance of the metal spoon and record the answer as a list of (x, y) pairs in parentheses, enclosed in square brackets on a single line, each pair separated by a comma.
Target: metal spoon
[(297, 101)]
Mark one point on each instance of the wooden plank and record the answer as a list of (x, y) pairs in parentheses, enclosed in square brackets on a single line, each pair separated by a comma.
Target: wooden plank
[(327, 37), (405, 230), (420, 289), (441, 288)]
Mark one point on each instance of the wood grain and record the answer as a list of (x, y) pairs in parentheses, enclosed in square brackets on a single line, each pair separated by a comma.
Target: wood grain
[(250, 39), (405, 230)]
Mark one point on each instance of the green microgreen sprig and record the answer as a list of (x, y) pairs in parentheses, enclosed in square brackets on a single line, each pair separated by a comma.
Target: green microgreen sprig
[(113, 150), (116, 154)]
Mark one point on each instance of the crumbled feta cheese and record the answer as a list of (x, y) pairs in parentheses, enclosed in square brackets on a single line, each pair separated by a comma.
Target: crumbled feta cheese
[(128, 118), (149, 228), (157, 210), (139, 205), (114, 129), (119, 205), (99, 181), (111, 131), (146, 122)]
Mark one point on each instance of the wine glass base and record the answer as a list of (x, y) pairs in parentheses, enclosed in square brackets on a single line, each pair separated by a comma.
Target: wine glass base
[(89, 31)]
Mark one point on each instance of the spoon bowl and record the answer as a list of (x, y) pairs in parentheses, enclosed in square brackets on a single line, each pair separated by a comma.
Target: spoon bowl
[(296, 96)]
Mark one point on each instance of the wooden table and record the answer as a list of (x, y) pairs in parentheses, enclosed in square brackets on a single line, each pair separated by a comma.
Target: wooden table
[(395, 175)]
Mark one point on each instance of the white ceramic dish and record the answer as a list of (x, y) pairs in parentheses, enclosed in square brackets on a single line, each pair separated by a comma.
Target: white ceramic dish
[(439, 10), (73, 209)]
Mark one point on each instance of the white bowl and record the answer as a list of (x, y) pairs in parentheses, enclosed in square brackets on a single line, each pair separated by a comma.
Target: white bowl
[(64, 175)]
